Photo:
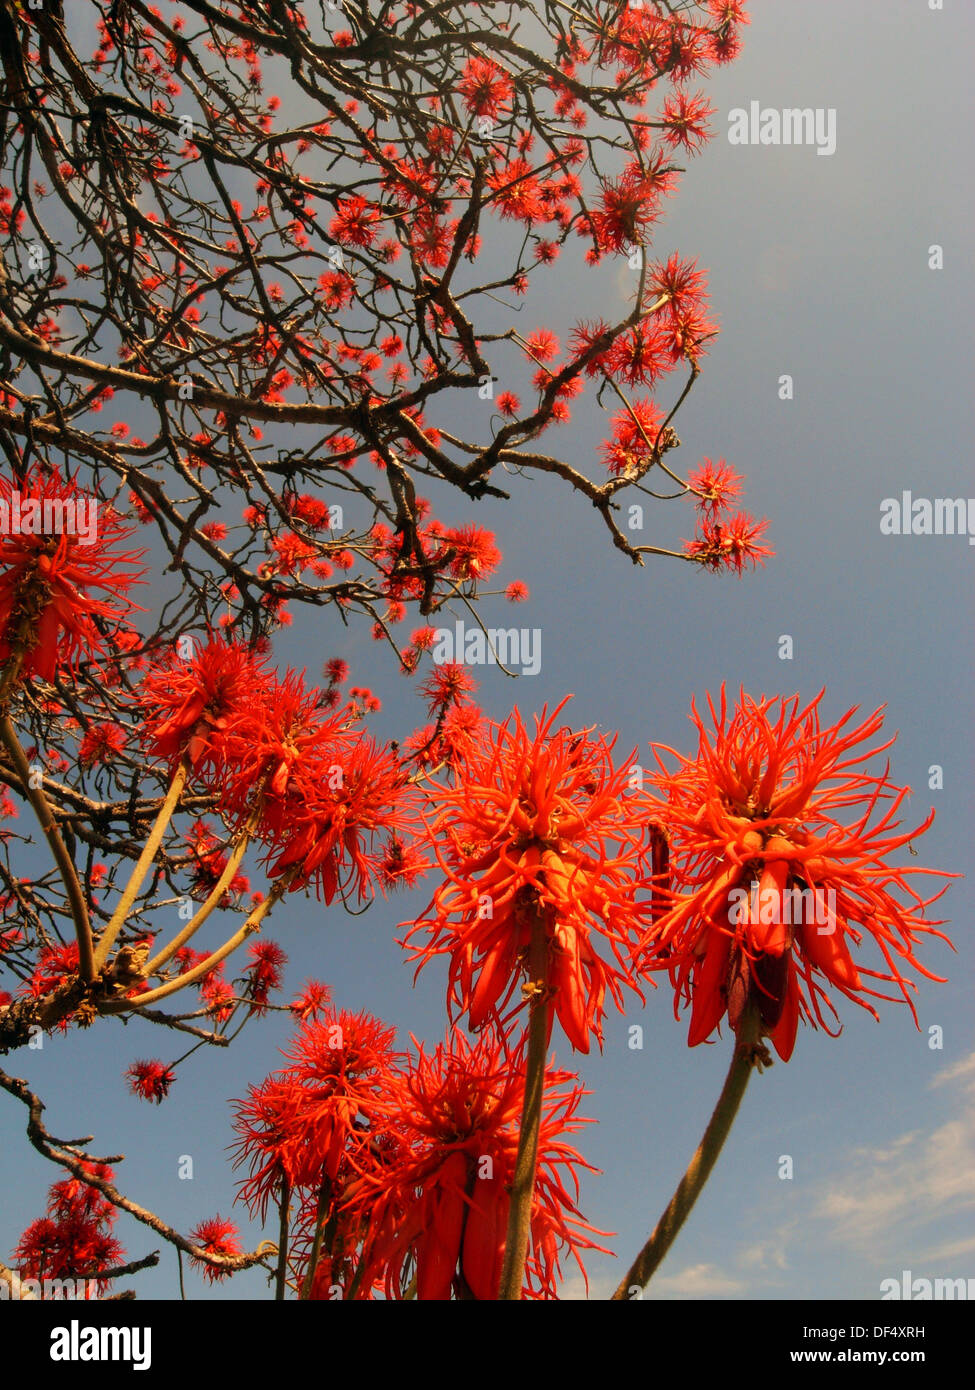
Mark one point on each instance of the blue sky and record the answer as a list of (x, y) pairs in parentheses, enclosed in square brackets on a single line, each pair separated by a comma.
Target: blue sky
[(818, 268)]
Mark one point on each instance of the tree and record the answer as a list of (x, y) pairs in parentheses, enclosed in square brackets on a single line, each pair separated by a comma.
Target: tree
[(289, 306)]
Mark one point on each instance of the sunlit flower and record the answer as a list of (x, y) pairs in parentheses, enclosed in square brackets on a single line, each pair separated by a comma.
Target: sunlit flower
[(327, 827), (537, 827), (193, 701), (74, 1240), (58, 549), (485, 88), (217, 1236), (714, 486), (151, 1080), (448, 684), (730, 544), (296, 1127), (266, 971), (776, 870), (442, 1202)]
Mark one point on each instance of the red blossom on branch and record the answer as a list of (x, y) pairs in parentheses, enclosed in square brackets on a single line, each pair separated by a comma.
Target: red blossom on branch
[(771, 803)]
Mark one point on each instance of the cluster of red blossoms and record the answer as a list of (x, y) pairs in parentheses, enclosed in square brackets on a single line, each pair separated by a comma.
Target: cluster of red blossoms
[(536, 829), (297, 775), (776, 871), (735, 873), (723, 541), (398, 1168), (59, 549), (74, 1240)]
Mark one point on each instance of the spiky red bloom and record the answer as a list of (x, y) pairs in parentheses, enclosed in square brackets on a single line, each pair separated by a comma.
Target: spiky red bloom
[(458, 736), (447, 685), (100, 744), (55, 966), (715, 486), (298, 1124), (192, 704), (773, 802), (475, 554), (328, 825), (443, 1201), (313, 1001), (50, 573), (730, 544), (74, 1240), (634, 437), (538, 824), (217, 1237), (150, 1080), (485, 88), (626, 210)]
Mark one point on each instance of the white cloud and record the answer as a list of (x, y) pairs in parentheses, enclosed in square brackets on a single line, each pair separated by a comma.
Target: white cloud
[(698, 1281), (765, 1254), (886, 1199)]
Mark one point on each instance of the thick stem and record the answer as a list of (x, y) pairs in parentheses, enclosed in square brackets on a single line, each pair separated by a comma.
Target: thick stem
[(747, 1055), (281, 1272), (10, 679), (201, 915), (76, 898), (197, 972), (523, 1184), (321, 1215), (142, 866)]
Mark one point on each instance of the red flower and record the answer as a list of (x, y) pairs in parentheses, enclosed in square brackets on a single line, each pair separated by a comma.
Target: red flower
[(355, 222), (485, 88), (475, 554), (74, 1240), (217, 1237), (536, 825), (448, 685), (542, 345), (641, 356), (770, 889), (100, 744), (55, 965), (339, 801), (685, 120), (714, 487), (729, 544), (58, 546), (680, 281), (442, 1202), (314, 1000), (267, 967), (627, 208), (192, 703), (150, 1080), (297, 1126), (634, 437)]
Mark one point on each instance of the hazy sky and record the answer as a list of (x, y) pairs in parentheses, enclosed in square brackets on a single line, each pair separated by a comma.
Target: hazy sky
[(819, 268)]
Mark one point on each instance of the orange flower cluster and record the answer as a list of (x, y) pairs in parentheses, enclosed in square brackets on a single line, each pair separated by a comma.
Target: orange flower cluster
[(537, 830), (776, 871)]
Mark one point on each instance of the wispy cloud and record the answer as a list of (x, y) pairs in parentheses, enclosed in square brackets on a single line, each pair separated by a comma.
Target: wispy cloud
[(887, 1193), (885, 1199), (698, 1281)]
